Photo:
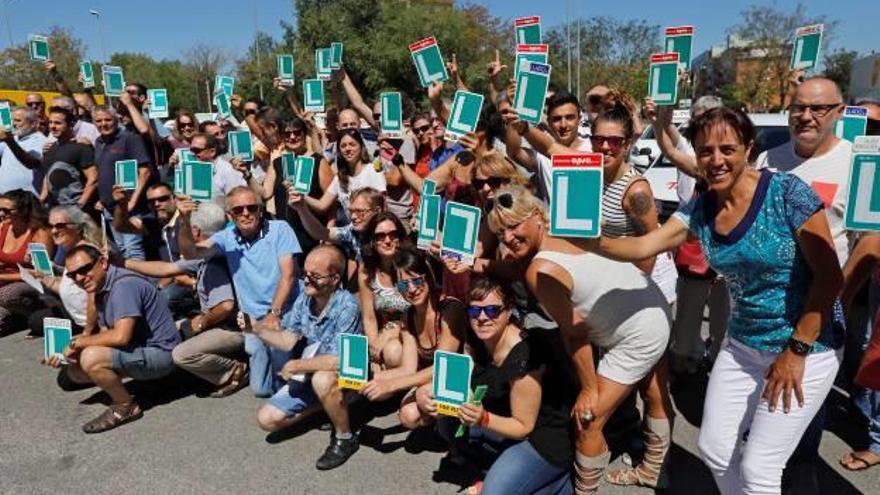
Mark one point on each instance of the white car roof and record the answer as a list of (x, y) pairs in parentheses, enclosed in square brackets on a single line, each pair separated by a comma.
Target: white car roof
[(769, 119)]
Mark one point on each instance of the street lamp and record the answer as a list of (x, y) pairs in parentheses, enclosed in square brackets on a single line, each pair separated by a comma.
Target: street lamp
[(97, 15)]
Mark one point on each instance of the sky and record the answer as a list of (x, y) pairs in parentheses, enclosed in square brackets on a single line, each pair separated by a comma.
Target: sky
[(166, 27)]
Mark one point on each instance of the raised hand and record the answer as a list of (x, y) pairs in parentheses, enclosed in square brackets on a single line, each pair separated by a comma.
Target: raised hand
[(495, 67)]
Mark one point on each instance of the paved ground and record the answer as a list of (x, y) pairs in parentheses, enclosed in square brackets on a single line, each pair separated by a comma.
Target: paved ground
[(187, 444)]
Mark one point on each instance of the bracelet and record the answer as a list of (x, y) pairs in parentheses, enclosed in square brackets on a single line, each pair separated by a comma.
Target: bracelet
[(484, 421)]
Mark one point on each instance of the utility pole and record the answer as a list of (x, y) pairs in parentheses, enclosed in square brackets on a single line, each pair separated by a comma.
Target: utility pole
[(6, 14), (578, 53), (97, 15), (257, 46), (568, 42)]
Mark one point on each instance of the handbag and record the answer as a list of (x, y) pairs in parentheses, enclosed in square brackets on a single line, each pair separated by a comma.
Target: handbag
[(690, 260)]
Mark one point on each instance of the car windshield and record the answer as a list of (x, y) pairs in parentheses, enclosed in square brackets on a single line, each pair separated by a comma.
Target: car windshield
[(769, 136)]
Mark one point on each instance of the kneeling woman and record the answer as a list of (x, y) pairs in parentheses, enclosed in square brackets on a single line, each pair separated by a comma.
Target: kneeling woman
[(595, 300), (513, 364), (768, 235)]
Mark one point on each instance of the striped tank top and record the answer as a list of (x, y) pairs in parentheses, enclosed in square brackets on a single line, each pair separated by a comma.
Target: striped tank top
[(615, 222)]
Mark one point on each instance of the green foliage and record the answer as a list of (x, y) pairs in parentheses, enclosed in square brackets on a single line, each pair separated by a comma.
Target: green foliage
[(17, 71), (169, 74), (838, 65)]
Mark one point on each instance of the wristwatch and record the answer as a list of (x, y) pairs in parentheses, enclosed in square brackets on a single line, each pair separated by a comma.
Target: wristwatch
[(276, 312), (799, 347)]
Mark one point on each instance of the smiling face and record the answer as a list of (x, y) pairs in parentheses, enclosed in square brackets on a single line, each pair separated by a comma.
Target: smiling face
[(105, 122), (414, 287), (523, 239), (609, 138), (564, 121), (198, 148), (489, 316), (295, 139), (64, 233), (361, 212), (245, 211), (386, 238), (87, 274), (161, 201), (721, 156), (58, 127), (422, 129), (350, 149), (814, 111), (8, 210), (186, 127)]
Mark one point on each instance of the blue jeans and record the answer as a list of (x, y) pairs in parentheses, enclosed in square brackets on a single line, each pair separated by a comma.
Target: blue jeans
[(130, 245), (521, 470), (265, 362)]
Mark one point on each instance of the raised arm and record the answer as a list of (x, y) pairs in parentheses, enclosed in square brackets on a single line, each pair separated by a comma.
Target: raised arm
[(668, 137), (57, 78), (435, 96), (27, 159), (188, 247), (493, 69), (356, 100)]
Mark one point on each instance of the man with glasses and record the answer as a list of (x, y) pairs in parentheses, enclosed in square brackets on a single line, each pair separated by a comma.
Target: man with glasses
[(71, 175), (321, 313), (35, 102), (260, 256), (206, 149), (21, 153), (219, 132), (137, 334)]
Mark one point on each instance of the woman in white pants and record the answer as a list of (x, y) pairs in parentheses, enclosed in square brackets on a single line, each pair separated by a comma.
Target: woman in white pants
[(767, 234)]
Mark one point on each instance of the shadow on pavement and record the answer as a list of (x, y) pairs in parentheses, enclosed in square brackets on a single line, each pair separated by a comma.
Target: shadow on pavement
[(175, 386)]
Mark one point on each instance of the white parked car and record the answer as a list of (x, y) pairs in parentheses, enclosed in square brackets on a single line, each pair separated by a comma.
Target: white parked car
[(772, 130)]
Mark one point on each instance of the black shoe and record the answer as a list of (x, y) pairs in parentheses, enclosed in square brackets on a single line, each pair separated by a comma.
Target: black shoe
[(338, 452)]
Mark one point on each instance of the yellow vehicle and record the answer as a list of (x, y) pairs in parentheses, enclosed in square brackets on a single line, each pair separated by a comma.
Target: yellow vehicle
[(18, 96)]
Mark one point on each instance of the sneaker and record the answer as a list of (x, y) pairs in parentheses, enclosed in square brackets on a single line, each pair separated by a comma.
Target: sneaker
[(338, 452)]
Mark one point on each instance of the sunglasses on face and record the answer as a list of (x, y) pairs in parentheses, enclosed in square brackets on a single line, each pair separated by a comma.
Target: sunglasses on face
[(404, 286), (196, 151), (186, 124), (421, 130), (796, 109), (294, 132), (359, 212), (391, 235), (34, 104), (59, 225), (492, 311), (314, 278), (239, 210), (159, 199), (594, 100), (81, 271), (493, 182), (504, 200), (7, 211), (614, 142)]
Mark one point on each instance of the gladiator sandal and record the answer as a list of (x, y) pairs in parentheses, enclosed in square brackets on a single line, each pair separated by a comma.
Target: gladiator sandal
[(651, 472), (588, 472)]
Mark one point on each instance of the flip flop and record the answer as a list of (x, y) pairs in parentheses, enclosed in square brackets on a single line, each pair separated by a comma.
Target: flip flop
[(855, 462)]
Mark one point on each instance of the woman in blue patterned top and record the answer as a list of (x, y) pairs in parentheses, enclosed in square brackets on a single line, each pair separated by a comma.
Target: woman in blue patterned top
[(768, 235)]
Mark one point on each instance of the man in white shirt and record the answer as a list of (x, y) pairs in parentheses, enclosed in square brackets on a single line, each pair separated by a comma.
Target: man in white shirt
[(21, 153), (205, 147), (815, 154)]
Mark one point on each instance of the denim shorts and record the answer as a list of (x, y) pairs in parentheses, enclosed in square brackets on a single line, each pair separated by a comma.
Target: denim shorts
[(142, 363), (293, 398)]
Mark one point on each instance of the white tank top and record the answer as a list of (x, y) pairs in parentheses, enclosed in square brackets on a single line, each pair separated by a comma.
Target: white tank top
[(617, 300)]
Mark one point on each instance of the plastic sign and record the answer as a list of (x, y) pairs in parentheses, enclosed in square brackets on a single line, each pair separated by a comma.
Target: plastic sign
[(6, 117), (113, 80), (127, 174), (429, 187), (58, 334), (221, 101), (531, 90), (527, 30), (158, 103), (529, 53), (663, 79), (87, 74), (305, 172), (354, 361), (285, 69), (680, 40), (461, 225), (429, 62), (288, 166), (313, 95), (576, 195), (391, 121), (178, 179), (853, 124), (38, 48), (226, 83), (323, 69), (805, 48), (464, 114), (452, 381), (863, 201), (428, 220), (240, 145), (40, 258), (336, 55), (198, 178)]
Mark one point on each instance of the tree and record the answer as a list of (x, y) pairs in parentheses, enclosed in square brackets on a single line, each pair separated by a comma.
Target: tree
[(768, 31), (838, 65), (17, 71), (204, 62), (258, 66), (169, 74)]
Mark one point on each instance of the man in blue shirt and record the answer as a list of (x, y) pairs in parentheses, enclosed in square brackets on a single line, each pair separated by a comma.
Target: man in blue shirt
[(322, 311), (21, 153), (260, 256), (137, 334)]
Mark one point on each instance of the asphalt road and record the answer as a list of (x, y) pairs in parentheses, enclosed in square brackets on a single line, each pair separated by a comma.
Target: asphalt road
[(189, 444)]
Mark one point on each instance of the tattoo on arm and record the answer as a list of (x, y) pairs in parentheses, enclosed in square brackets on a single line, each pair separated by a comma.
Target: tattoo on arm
[(640, 204)]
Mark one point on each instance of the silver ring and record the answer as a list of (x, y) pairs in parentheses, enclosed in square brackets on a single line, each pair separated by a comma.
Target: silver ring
[(587, 416)]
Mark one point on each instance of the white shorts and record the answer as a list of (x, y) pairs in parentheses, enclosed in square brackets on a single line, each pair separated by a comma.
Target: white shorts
[(633, 357)]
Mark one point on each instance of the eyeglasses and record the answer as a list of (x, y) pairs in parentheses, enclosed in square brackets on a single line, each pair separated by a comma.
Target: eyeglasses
[(59, 225), (391, 235), (358, 212), (504, 200), (493, 182), (404, 286), (594, 100), (314, 278), (186, 124), (81, 271), (196, 151), (294, 132), (492, 311), (614, 142), (239, 210), (819, 110), (159, 199), (132, 91), (35, 104), (7, 211), (421, 130)]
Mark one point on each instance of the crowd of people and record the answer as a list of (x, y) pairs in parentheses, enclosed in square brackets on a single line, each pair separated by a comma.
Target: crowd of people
[(254, 288)]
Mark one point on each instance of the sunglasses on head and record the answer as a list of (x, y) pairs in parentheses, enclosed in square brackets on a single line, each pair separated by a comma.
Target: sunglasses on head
[(82, 271), (492, 311), (614, 142), (504, 200), (404, 286), (239, 210), (493, 182)]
